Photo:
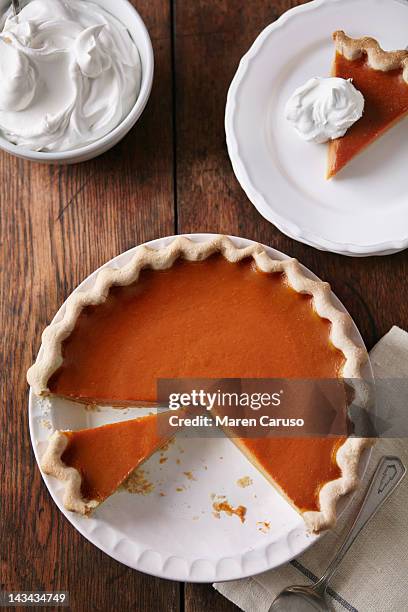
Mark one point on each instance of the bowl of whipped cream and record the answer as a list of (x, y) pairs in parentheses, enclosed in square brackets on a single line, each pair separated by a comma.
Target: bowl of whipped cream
[(75, 76)]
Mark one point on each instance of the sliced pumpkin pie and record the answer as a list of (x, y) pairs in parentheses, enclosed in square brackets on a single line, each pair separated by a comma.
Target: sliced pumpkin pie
[(210, 310), (94, 462), (382, 77)]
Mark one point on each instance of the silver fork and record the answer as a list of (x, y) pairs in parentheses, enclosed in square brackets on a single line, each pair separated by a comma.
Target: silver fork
[(16, 6)]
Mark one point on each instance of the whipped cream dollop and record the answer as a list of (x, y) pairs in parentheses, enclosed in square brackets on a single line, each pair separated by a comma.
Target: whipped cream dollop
[(324, 108), (69, 74)]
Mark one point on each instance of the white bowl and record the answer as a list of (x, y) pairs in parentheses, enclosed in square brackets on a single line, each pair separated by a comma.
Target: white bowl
[(124, 11)]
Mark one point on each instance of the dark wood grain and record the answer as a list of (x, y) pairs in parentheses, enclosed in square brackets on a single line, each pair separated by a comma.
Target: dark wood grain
[(203, 598), (57, 225)]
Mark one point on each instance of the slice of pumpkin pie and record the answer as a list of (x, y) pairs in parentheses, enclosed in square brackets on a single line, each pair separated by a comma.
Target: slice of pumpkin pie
[(382, 77), (94, 462)]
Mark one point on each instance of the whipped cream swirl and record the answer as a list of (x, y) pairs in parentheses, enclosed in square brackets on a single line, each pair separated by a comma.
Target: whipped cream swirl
[(324, 108), (69, 74)]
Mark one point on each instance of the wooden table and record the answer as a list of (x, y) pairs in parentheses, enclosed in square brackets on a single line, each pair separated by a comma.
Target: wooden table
[(171, 174)]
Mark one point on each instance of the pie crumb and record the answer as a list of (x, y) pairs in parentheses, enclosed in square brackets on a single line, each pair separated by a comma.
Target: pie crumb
[(137, 483), (189, 475), (167, 445), (263, 526), (245, 481), (92, 408), (220, 504)]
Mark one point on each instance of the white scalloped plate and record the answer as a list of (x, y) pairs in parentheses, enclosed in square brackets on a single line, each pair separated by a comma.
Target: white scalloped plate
[(176, 536), (363, 211)]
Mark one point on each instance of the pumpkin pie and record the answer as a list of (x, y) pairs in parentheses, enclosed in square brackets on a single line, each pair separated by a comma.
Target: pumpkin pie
[(94, 462), (382, 77), (210, 310)]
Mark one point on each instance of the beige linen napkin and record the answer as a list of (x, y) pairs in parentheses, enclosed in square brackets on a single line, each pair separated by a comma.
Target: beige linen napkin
[(373, 576)]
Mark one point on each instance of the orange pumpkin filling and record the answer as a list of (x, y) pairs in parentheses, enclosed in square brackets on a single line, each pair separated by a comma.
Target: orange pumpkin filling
[(208, 319), (105, 456), (298, 467), (386, 102)]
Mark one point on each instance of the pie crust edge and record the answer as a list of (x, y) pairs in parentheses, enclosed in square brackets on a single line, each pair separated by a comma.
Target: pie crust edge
[(50, 356), (52, 464), (377, 58)]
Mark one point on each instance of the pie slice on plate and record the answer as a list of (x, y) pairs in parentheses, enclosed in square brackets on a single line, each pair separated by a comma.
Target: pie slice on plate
[(211, 310), (382, 78), (94, 462)]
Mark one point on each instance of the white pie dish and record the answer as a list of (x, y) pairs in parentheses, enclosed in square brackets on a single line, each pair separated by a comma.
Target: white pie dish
[(135, 529), (364, 210), (127, 14)]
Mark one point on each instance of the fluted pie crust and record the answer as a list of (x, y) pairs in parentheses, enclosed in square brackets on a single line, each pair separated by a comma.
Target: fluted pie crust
[(212, 253), (382, 77), (377, 58), (82, 460)]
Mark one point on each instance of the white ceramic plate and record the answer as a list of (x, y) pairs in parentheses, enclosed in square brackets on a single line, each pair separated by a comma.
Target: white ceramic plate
[(176, 536), (363, 211)]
